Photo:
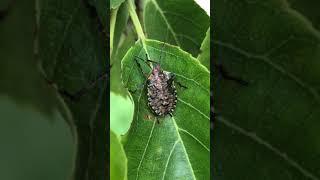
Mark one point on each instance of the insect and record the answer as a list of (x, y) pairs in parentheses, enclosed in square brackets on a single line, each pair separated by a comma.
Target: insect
[(161, 90)]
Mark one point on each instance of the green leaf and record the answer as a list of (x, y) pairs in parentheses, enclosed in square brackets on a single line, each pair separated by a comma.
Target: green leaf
[(27, 135), (73, 54), (118, 161), (120, 25), (178, 22), (37, 134), (116, 3), (178, 147), (126, 42), (204, 56), (121, 113), (269, 128)]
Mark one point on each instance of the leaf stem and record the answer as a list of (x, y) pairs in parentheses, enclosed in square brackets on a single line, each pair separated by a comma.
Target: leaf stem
[(137, 24), (113, 19)]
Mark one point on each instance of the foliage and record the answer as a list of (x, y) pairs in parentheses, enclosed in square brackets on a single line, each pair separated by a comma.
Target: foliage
[(177, 147), (268, 129), (37, 132)]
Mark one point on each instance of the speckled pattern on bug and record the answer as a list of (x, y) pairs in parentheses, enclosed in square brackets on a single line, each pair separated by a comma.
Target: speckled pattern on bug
[(161, 92)]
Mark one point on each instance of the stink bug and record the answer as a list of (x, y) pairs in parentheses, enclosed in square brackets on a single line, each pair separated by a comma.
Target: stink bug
[(161, 91), (160, 87)]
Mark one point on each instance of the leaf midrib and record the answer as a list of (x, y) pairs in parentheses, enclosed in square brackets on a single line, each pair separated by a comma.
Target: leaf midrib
[(172, 149), (179, 138), (137, 116), (184, 148), (275, 66)]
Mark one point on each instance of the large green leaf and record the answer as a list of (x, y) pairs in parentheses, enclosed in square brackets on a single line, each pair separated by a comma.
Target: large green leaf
[(268, 129), (118, 160), (73, 54), (37, 135), (178, 147), (178, 22)]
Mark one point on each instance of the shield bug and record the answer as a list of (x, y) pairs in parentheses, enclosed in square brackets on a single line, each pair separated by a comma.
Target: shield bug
[(160, 87), (161, 91)]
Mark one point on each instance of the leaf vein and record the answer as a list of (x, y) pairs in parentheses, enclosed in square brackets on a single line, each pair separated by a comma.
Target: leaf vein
[(166, 21), (145, 149), (76, 9), (172, 149), (262, 142), (183, 17), (280, 69), (194, 137), (190, 38), (183, 146), (190, 105)]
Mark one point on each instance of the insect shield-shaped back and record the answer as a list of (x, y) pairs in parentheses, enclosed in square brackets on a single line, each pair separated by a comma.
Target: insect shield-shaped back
[(162, 95)]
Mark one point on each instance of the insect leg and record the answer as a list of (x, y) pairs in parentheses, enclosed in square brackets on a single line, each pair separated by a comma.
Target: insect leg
[(137, 57), (177, 82), (139, 66), (151, 61), (227, 76), (173, 77), (141, 86), (148, 60)]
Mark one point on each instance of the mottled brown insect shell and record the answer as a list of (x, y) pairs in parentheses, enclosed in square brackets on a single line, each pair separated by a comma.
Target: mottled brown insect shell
[(162, 94)]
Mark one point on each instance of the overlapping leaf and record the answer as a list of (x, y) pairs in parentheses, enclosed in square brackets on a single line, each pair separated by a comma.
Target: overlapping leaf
[(73, 53), (37, 135), (118, 160), (178, 22)]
